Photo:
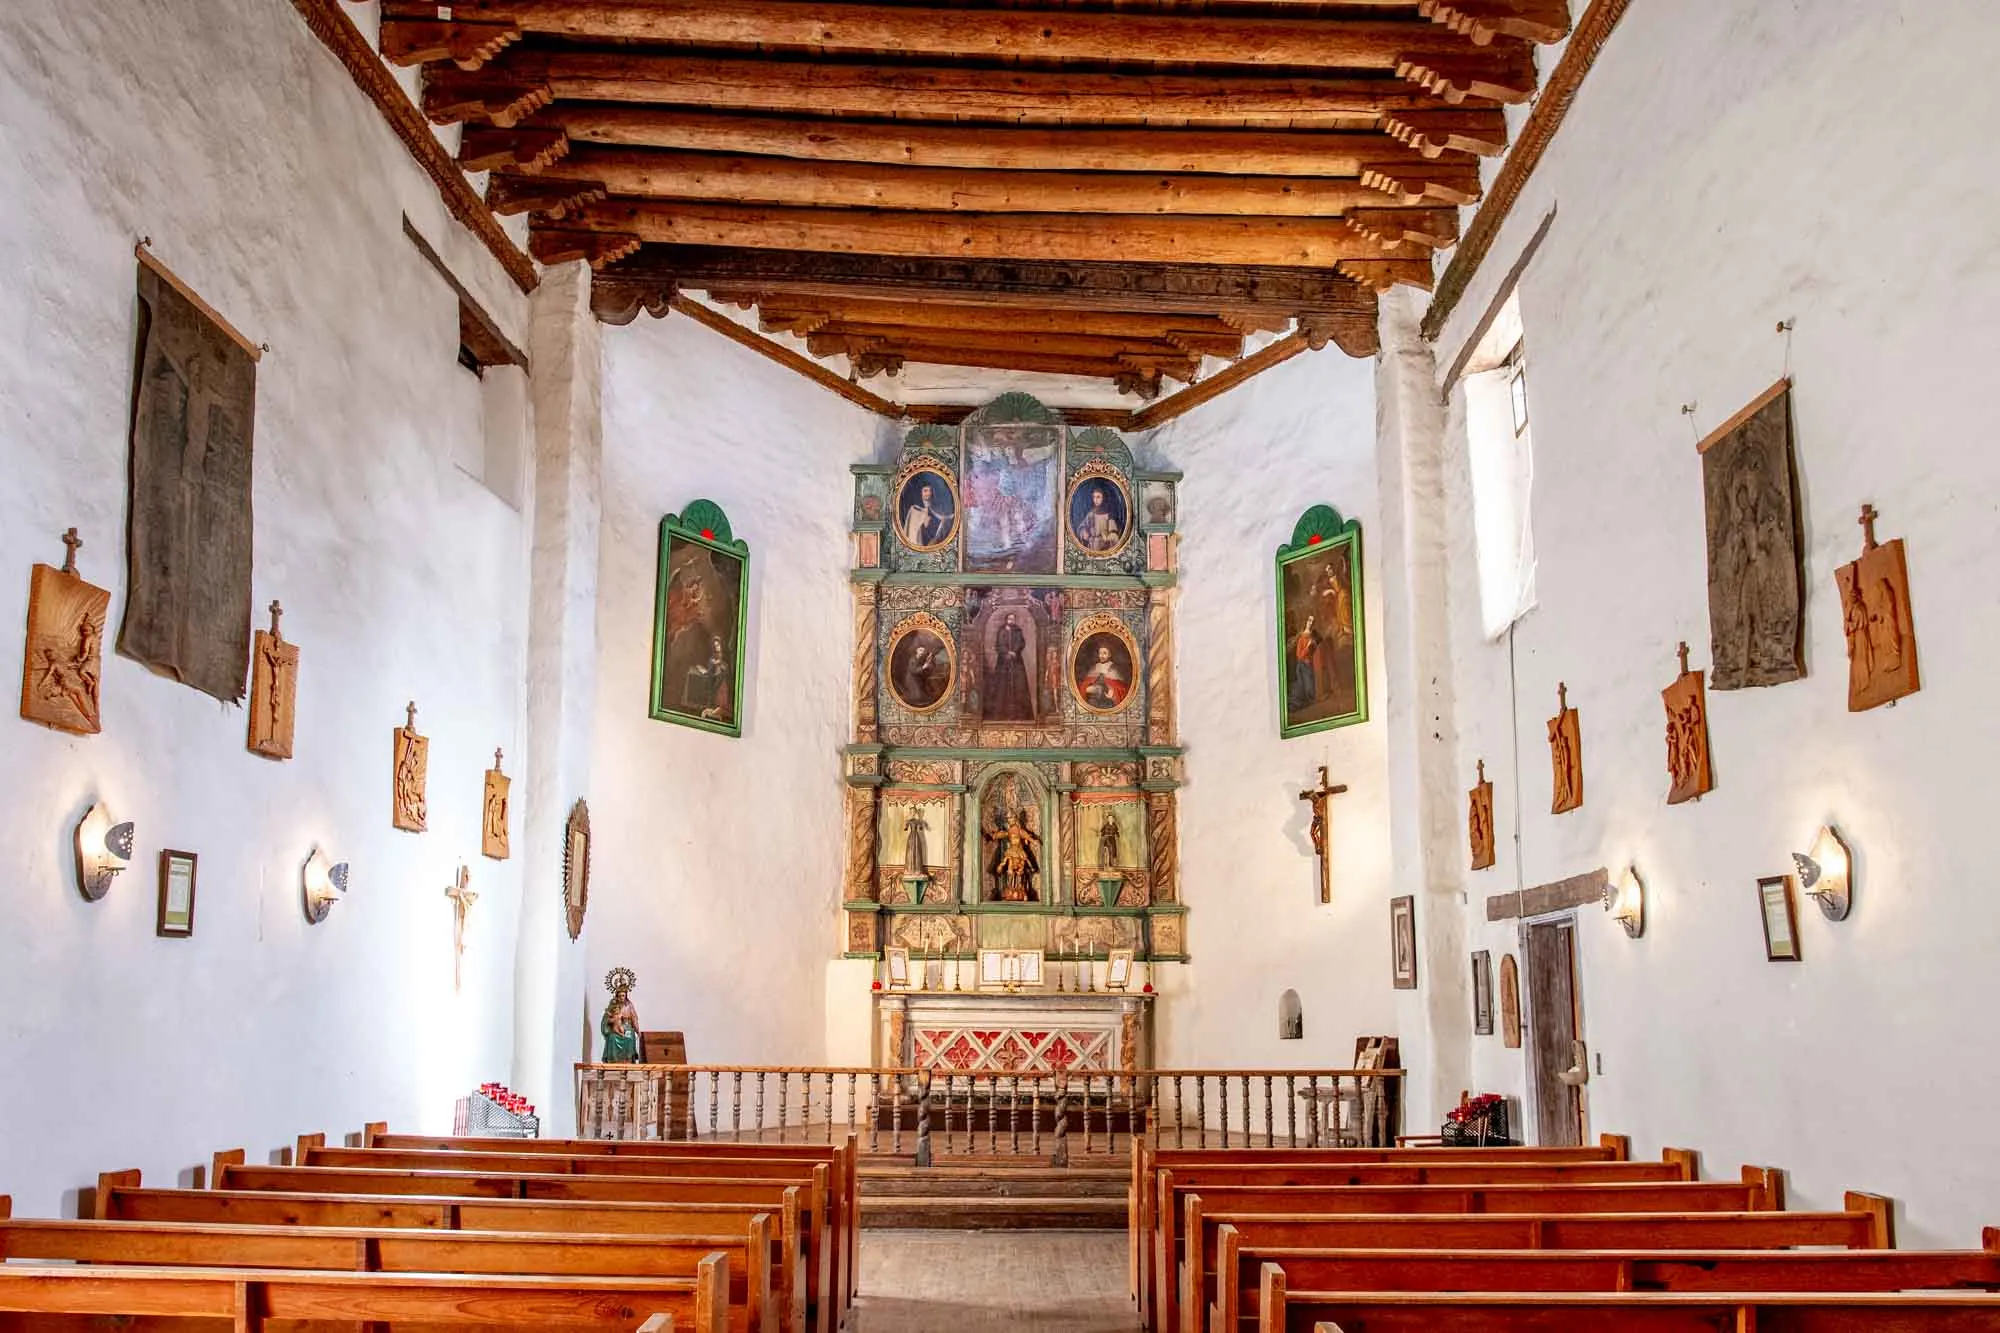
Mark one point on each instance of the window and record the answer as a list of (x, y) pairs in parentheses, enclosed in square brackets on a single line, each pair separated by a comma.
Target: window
[(1500, 445)]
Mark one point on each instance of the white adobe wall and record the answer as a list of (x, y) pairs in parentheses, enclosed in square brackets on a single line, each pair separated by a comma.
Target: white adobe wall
[(1727, 167), (717, 862), (1254, 460), (229, 136)]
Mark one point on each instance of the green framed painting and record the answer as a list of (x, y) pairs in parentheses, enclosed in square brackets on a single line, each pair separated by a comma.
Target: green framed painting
[(700, 609), (1322, 655)]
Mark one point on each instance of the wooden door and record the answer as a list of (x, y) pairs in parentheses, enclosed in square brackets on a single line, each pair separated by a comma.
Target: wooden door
[(1554, 1025)]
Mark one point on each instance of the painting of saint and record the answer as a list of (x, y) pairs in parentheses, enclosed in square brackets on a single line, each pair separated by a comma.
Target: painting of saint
[(1101, 671), (1321, 663), (1010, 693), (921, 664), (1100, 515), (1011, 496), (698, 637), (926, 511)]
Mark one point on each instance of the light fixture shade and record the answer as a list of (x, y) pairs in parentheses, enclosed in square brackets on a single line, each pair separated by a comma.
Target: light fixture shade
[(1625, 899), (1826, 871), (323, 884), (102, 850)]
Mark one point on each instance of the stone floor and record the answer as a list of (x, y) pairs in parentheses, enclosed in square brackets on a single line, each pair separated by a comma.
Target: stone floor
[(986, 1281)]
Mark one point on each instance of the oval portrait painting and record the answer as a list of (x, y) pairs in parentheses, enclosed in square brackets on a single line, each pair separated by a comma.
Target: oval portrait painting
[(926, 510), (1101, 672), (921, 665), (1100, 515)]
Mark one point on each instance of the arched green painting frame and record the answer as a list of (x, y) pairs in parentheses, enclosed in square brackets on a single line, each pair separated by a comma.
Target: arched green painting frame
[(1322, 643), (695, 688)]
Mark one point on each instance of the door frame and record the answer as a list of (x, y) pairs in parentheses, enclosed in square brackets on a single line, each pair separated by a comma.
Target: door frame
[(1531, 1113)]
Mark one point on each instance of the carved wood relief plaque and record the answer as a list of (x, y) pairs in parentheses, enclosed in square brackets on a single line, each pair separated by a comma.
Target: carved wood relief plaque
[(62, 668), (1479, 821), (1688, 764), (409, 810), (1756, 581), (1510, 1003), (494, 810), (1875, 616), (1566, 755), (274, 691)]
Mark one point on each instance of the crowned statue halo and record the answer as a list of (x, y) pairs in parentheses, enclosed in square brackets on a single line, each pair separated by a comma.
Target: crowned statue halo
[(620, 979)]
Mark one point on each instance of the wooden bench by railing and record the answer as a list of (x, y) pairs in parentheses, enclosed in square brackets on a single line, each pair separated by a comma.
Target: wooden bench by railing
[(728, 1161), (1650, 1312), (393, 1250), (1238, 1284), (120, 1196), (244, 1300)]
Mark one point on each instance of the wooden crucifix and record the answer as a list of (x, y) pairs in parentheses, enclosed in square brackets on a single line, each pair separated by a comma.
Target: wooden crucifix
[(1319, 797), (462, 898)]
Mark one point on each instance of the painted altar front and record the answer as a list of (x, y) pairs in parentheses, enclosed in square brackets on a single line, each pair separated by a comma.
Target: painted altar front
[(1014, 1034), (1014, 771)]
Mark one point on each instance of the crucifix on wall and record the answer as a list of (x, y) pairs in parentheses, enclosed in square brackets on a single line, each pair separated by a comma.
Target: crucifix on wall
[(1319, 797), (462, 898)]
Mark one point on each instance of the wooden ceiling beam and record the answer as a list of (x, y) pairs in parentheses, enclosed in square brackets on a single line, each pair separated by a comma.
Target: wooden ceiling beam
[(666, 174), (1183, 343), (784, 309), (522, 81), (1050, 237), (1205, 37), (1370, 156), (1141, 351), (945, 354), (1250, 292)]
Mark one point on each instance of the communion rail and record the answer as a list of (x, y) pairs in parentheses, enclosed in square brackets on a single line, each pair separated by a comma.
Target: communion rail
[(929, 1114)]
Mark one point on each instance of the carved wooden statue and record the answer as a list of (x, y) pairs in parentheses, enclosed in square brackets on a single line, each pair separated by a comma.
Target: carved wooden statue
[(1687, 736), (1875, 613), (1479, 821), (493, 839), (274, 691), (619, 1027), (62, 669), (1016, 861), (1318, 797), (1566, 755), (462, 898), (410, 812)]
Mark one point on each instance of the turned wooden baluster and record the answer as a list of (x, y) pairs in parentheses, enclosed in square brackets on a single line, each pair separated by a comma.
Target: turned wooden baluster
[(736, 1108), (1291, 1111), (992, 1113), (1086, 1113), (829, 1108), (924, 1118), (852, 1080), (1270, 1129), (760, 1105), (1180, 1113), (874, 1111), (1061, 1157), (1035, 1116), (1201, 1110), (1014, 1114), (784, 1089), (896, 1116), (1312, 1110), (1248, 1141)]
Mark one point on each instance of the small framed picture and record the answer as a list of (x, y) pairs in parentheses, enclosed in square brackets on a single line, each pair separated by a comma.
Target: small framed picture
[(897, 962), (176, 895), (1403, 942), (1482, 993), (1118, 970), (1781, 918)]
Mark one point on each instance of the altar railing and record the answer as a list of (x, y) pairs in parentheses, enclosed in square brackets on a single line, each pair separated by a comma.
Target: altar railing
[(932, 1114)]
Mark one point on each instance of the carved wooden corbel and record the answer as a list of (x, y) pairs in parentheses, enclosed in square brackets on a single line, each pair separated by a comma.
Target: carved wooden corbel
[(509, 194), (521, 150), (616, 300), (559, 245)]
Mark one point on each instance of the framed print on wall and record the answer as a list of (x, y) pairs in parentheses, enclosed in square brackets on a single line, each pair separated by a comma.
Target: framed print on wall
[(1403, 942), (176, 895), (1482, 993), (1322, 658), (700, 611), (1781, 918)]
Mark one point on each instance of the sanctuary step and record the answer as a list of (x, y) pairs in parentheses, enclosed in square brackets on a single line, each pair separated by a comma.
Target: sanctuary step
[(992, 1197)]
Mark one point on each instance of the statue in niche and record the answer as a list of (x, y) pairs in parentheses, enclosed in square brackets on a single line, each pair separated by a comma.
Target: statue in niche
[(620, 1025), (1108, 850), (1016, 863), (916, 855), (1008, 696)]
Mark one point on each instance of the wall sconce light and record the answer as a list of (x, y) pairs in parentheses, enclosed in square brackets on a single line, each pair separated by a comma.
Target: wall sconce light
[(324, 883), (1625, 899), (1827, 873), (102, 850)]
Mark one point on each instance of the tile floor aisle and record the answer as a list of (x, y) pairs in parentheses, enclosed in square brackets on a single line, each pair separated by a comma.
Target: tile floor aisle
[(987, 1281)]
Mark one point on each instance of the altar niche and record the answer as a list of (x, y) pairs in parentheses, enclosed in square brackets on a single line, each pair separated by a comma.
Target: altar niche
[(1013, 775)]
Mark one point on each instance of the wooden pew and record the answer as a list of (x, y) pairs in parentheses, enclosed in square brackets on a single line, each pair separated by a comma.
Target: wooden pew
[(547, 1186), (1179, 1229), (845, 1153), (37, 1298), (1236, 1307), (393, 1250), (120, 1196), (1148, 1160), (1626, 1312)]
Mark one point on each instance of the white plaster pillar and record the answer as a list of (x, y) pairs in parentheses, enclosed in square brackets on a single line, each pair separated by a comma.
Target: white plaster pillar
[(1425, 814), (552, 997)]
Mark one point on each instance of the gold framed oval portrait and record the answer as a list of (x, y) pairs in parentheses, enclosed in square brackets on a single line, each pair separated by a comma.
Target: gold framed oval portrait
[(926, 512), (1099, 512), (922, 663), (1104, 665)]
